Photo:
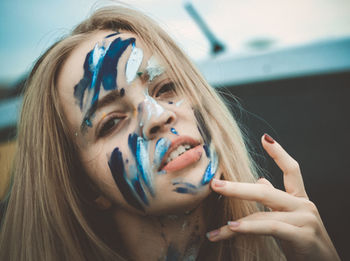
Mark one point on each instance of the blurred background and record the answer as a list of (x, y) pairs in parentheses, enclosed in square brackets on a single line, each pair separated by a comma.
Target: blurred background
[(287, 63)]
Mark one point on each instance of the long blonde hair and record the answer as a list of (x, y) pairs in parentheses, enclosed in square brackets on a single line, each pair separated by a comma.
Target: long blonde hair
[(48, 215)]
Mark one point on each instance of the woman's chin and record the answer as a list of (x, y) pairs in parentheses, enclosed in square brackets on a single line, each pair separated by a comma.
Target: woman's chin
[(175, 203)]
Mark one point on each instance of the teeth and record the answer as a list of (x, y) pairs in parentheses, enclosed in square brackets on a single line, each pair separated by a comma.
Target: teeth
[(180, 150)]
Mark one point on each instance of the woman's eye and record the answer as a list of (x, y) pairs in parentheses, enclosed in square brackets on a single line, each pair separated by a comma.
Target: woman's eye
[(108, 126), (166, 89)]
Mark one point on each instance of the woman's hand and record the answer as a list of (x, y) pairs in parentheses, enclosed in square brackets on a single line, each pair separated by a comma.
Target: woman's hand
[(294, 219)]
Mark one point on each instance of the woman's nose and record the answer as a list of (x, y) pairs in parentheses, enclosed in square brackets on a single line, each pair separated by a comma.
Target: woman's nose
[(157, 122)]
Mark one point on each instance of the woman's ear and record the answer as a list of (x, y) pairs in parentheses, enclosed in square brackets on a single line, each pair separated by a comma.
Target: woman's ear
[(102, 203)]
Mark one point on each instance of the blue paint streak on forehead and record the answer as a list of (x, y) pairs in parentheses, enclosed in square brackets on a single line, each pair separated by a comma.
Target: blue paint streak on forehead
[(110, 62), (103, 72), (139, 148), (116, 166), (113, 34)]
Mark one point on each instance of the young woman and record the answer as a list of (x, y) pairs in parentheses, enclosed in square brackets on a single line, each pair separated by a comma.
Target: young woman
[(126, 153)]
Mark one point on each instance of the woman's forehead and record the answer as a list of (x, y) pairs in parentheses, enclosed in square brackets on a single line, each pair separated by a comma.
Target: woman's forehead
[(72, 70)]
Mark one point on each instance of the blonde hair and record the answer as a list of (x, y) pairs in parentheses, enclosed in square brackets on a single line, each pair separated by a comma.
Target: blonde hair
[(48, 210)]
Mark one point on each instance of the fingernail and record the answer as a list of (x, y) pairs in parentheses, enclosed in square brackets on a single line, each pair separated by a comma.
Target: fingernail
[(268, 138), (213, 233), (218, 183), (233, 224)]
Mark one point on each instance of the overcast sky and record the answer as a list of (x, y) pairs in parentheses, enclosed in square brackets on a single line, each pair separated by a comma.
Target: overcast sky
[(28, 27)]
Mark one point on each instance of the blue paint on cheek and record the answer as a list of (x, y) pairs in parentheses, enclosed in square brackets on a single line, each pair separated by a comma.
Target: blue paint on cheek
[(183, 190), (208, 175), (162, 147), (202, 127), (188, 185), (122, 92), (170, 102), (206, 149), (139, 148), (116, 166), (174, 131), (211, 168), (87, 122)]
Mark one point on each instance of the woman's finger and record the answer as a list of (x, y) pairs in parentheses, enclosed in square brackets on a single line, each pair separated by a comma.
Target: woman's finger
[(270, 227), (293, 181), (264, 181), (268, 196)]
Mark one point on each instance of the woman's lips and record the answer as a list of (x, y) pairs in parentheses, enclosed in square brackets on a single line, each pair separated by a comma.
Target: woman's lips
[(187, 158)]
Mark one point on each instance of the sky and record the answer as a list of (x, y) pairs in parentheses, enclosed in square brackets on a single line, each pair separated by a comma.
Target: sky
[(29, 27)]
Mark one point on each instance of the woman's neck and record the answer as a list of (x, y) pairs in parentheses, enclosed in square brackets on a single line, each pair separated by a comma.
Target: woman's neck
[(167, 237)]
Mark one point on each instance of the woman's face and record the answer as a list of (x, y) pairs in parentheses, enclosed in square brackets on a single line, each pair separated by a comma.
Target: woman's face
[(138, 138)]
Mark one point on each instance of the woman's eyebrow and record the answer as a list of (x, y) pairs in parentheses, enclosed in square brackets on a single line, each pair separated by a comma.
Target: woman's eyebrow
[(106, 100)]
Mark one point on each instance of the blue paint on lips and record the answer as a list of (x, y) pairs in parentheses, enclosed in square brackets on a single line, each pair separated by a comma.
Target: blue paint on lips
[(116, 166)]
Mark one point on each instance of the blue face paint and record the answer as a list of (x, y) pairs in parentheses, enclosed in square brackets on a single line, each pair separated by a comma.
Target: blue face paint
[(202, 127), (122, 92), (188, 188), (110, 35), (116, 166), (174, 131), (133, 64), (162, 146), (139, 148), (183, 190), (170, 102), (100, 67), (179, 103)]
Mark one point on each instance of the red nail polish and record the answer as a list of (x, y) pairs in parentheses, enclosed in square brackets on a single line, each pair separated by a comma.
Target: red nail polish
[(269, 139)]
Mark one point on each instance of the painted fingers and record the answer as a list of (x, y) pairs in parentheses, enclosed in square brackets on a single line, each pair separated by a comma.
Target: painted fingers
[(294, 219)]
